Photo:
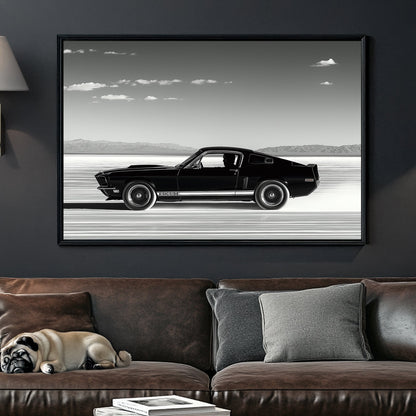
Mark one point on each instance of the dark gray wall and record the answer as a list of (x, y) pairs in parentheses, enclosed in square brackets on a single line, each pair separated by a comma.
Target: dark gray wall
[(28, 171)]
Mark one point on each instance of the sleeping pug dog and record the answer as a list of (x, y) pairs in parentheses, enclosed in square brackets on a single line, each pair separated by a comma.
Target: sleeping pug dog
[(51, 352)]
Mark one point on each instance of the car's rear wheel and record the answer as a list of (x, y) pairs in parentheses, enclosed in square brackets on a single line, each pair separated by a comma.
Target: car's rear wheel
[(271, 195), (139, 196)]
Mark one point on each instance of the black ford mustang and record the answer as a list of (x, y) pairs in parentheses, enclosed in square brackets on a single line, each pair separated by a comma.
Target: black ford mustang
[(212, 173)]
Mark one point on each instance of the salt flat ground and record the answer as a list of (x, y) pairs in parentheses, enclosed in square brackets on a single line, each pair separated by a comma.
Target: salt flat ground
[(331, 212)]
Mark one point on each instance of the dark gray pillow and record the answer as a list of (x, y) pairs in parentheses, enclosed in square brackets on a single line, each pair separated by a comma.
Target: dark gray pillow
[(315, 324), (240, 336)]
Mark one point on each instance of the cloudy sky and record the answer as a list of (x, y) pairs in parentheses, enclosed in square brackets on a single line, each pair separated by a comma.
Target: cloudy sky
[(202, 93)]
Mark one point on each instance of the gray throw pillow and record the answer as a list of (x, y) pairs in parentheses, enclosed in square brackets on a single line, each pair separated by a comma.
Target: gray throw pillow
[(240, 336), (315, 324)]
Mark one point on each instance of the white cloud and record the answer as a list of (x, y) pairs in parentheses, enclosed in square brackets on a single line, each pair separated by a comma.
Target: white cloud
[(146, 81), (114, 53), (92, 50), (171, 99), (67, 51), (324, 63), (133, 54), (203, 81), (162, 82), (327, 83), (169, 81), (114, 86), (85, 86), (123, 81), (228, 82), (121, 97), (150, 98)]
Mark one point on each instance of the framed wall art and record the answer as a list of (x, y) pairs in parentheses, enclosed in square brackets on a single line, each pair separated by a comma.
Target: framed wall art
[(211, 140)]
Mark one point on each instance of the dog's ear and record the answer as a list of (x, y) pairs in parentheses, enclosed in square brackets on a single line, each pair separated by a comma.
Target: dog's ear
[(28, 341), (2, 336)]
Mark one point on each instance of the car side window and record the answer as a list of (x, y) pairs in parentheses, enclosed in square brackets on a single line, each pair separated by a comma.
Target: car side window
[(217, 160), (212, 160), (260, 160), (224, 160)]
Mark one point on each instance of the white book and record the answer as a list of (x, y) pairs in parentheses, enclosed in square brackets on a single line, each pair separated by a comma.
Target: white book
[(167, 406), (111, 411), (116, 411)]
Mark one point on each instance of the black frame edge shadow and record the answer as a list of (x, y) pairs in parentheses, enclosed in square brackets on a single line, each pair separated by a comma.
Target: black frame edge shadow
[(364, 39)]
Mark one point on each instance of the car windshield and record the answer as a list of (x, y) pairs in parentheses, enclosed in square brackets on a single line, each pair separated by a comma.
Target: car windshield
[(186, 161)]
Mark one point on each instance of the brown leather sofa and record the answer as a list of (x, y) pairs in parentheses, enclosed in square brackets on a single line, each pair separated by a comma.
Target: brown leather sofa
[(167, 325)]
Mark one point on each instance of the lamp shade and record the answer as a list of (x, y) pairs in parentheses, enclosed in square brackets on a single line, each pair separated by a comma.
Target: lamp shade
[(11, 78)]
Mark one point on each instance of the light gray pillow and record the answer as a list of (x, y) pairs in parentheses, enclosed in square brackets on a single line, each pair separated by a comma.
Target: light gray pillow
[(240, 336), (315, 324)]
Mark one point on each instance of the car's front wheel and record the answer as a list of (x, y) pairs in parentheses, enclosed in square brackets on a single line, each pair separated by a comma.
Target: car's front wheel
[(271, 195), (139, 196)]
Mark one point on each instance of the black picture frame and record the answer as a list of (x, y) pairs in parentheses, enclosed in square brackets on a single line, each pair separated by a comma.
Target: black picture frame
[(65, 238)]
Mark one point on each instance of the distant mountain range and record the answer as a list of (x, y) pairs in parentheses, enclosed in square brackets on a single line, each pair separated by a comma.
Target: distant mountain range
[(82, 146), (314, 150), (137, 148)]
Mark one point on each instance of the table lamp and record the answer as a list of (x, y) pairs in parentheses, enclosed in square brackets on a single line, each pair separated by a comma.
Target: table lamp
[(11, 78)]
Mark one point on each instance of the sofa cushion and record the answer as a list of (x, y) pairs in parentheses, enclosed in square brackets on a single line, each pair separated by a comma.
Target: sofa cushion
[(238, 317), (29, 313), (78, 392), (315, 324), (153, 319), (391, 316), (316, 388)]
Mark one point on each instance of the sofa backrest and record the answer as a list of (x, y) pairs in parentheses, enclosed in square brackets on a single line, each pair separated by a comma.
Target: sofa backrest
[(394, 312), (153, 319), (299, 283)]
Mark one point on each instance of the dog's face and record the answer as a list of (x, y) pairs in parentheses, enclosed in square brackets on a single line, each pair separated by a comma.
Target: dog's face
[(19, 355)]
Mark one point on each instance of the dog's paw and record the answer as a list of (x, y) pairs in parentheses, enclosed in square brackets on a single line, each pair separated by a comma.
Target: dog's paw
[(89, 364), (47, 368), (103, 365)]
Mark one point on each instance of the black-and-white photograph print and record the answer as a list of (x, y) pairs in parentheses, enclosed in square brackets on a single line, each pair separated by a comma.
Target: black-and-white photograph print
[(205, 140)]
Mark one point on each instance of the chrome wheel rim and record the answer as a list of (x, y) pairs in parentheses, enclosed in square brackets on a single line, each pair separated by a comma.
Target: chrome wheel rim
[(272, 195), (139, 195)]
